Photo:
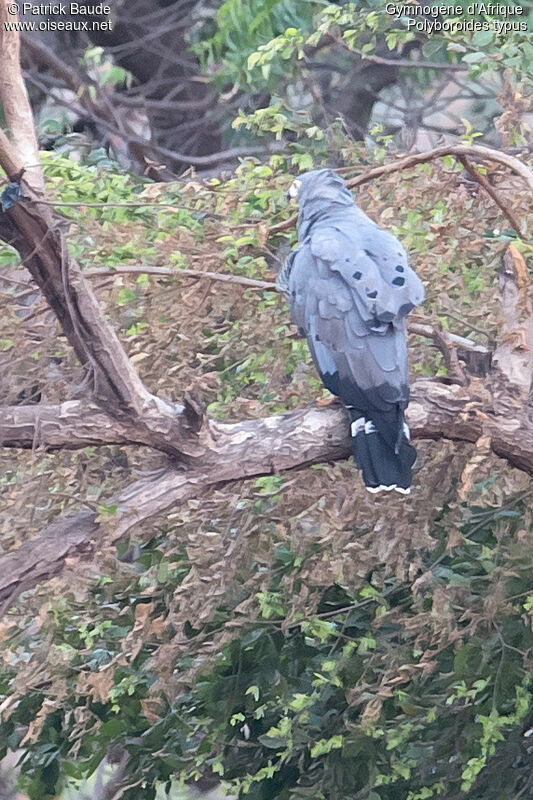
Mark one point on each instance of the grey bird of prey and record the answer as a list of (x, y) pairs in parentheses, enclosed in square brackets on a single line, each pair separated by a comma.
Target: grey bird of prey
[(350, 288)]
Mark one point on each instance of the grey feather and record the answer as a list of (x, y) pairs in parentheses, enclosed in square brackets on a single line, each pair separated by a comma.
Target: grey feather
[(349, 283), (350, 288)]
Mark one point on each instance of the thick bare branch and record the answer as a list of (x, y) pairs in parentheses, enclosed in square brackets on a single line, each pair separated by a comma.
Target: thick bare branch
[(234, 451), (514, 354), (117, 386), (31, 229), (68, 426), (17, 111), (9, 160)]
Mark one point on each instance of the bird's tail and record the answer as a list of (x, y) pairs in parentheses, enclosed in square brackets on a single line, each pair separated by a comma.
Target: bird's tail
[(385, 460)]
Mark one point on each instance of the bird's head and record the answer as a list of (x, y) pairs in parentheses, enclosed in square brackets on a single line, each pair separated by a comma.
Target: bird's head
[(293, 191), (319, 184)]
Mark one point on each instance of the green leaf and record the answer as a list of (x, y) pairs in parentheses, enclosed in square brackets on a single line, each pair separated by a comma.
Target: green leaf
[(474, 58), (482, 38)]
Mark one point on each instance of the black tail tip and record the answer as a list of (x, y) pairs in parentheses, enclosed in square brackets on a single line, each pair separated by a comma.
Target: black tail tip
[(384, 468)]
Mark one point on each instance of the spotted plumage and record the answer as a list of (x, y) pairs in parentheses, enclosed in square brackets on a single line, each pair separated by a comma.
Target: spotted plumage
[(350, 288)]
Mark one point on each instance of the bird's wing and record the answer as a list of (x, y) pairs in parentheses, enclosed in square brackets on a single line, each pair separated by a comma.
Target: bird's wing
[(282, 281), (364, 357), (374, 265)]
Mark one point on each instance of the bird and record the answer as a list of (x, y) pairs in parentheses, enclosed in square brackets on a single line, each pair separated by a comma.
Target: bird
[(350, 288)]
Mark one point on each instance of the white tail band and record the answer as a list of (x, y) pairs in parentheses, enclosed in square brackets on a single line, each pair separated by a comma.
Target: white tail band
[(358, 425)]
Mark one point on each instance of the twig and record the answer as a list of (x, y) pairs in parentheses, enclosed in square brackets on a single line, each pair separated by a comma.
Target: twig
[(422, 329), (491, 191), (184, 273), (405, 62), (444, 342), (473, 151), (443, 339)]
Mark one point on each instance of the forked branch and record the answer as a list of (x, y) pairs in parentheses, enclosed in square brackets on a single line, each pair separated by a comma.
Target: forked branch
[(235, 451), (30, 228)]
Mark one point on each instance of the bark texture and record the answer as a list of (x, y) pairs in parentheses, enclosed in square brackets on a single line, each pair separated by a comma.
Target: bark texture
[(235, 451)]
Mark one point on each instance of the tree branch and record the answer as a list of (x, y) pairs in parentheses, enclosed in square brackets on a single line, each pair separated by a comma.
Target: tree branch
[(235, 451), (31, 229), (250, 283), (514, 353), (8, 159), (17, 111), (117, 386), (477, 152), (481, 179), (68, 426), (444, 342)]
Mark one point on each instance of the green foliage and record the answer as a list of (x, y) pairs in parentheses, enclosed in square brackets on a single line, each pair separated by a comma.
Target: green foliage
[(237, 637), (261, 46), (241, 26), (371, 693)]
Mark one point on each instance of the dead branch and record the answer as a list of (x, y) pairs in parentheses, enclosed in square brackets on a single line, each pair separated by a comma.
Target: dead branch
[(444, 342), (491, 191), (250, 283), (477, 152), (116, 384), (67, 426), (8, 158), (514, 353), (420, 329)]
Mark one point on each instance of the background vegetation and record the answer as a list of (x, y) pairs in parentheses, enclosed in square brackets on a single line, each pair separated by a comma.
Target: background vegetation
[(289, 636)]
